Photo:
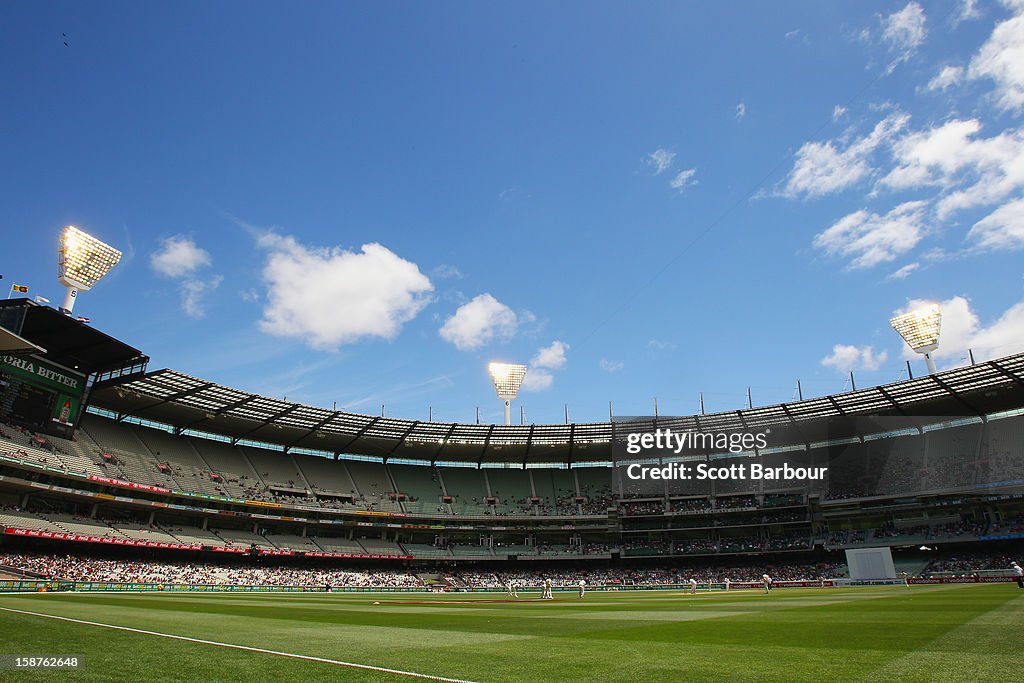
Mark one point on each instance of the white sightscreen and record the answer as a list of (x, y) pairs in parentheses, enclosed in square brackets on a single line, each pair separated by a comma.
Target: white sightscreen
[(870, 563)]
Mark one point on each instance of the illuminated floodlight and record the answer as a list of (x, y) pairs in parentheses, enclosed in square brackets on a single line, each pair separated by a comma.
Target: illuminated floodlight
[(83, 261), (507, 378), (920, 329)]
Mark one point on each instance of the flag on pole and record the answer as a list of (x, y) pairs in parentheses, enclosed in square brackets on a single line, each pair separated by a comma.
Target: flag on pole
[(19, 288)]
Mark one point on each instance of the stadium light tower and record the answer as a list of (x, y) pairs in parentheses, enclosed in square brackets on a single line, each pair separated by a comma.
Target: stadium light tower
[(920, 329), (83, 260), (507, 378)]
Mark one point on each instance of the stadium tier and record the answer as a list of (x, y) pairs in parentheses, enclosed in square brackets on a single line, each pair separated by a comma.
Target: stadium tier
[(301, 503)]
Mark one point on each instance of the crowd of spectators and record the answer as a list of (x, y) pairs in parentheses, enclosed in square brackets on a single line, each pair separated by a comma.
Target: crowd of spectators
[(79, 568), (693, 505), (642, 507), (967, 563), (569, 578), (735, 502), (91, 569)]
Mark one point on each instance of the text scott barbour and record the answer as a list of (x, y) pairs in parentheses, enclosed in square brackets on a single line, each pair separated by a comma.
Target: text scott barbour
[(703, 472)]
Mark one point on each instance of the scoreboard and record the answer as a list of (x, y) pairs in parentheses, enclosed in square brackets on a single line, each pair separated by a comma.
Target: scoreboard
[(40, 394)]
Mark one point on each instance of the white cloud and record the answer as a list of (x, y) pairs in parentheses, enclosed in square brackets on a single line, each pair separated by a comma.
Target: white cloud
[(551, 357), (610, 365), (847, 358), (962, 330), (904, 32), (539, 374), (1001, 59), (947, 77), (904, 272), (870, 239), (973, 171), (838, 112), (446, 271), (661, 345), (479, 321), (1001, 229), (178, 256), (193, 293), (996, 167), (931, 157), (968, 10), (659, 160), (741, 111), (683, 179), (822, 167), (333, 296), (1001, 338), (537, 380)]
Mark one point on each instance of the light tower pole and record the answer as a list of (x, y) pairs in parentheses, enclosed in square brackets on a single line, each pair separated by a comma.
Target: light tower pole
[(82, 261), (507, 378), (920, 329)]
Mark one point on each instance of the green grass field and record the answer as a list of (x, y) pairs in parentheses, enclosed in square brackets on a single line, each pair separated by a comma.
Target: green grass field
[(929, 633)]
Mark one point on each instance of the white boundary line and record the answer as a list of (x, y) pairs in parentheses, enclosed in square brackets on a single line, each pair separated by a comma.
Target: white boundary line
[(368, 667)]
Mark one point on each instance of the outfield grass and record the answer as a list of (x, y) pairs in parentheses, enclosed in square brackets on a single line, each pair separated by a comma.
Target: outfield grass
[(929, 633)]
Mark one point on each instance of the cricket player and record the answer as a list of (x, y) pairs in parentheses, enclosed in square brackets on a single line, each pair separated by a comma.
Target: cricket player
[(510, 587), (906, 579), (547, 590), (583, 588), (1019, 572), (767, 581), (693, 586), (727, 582)]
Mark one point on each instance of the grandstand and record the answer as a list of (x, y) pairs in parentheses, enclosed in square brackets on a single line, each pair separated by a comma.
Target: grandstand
[(169, 482), (163, 459), (333, 493)]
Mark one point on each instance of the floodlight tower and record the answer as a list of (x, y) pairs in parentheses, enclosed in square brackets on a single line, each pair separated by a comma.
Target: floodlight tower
[(83, 260), (920, 329), (507, 378)]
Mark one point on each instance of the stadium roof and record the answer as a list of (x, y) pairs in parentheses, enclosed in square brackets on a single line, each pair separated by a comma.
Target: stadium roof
[(186, 402), (69, 342), (13, 345)]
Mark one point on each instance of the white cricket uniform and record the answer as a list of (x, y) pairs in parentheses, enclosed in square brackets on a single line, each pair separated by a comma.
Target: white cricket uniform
[(583, 588)]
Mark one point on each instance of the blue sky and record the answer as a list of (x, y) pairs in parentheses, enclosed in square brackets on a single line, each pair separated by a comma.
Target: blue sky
[(363, 203)]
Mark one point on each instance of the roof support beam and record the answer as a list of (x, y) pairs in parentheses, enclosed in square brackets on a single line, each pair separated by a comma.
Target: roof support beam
[(360, 433), (957, 397), (529, 443), (487, 442), (444, 441), (224, 409), (891, 400), (1006, 373), (270, 420), (401, 440), (315, 428), (168, 399)]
